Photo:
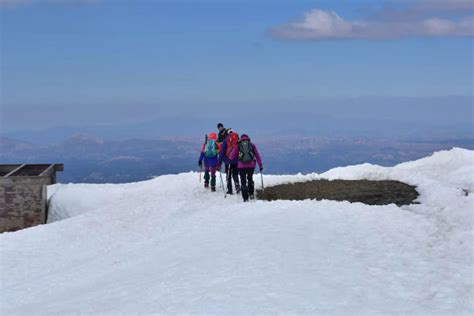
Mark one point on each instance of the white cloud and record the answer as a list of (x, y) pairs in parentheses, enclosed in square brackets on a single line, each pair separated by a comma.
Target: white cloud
[(415, 21)]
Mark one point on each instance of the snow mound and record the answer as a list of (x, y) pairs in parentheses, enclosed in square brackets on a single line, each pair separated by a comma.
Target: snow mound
[(168, 246)]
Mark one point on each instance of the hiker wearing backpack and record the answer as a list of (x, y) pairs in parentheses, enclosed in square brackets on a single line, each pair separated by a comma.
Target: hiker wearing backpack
[(223, 132), (209, 153), (229, 154), (248, 159)]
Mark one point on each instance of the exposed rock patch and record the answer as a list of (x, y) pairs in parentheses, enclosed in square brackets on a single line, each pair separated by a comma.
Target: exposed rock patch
[(365, 191)]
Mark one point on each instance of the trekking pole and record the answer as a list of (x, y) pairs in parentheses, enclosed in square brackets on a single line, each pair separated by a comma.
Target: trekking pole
[(227, 172), (261, 178), (222, 181), (200, 166)]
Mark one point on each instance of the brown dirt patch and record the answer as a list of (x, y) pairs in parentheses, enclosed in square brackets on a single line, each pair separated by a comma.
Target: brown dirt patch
[(365, 191)]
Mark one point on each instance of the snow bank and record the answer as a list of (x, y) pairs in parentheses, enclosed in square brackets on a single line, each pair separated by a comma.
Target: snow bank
[(168, 246)]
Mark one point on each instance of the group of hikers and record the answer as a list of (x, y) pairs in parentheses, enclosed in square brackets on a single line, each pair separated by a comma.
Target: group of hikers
[(240, 157)]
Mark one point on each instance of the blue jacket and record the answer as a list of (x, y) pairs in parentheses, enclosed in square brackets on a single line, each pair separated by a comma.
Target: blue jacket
[(209, 161)]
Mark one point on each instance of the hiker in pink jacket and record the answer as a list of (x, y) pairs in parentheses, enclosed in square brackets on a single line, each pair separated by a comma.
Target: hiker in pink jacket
[(248, 156)]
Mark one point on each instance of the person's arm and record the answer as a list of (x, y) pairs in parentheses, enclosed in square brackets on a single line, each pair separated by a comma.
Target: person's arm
[(220, 137), (222, 152), (257, 156), (201, 156)]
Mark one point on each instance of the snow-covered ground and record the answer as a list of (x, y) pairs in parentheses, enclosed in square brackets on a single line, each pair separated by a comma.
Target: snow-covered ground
[(168, 246)]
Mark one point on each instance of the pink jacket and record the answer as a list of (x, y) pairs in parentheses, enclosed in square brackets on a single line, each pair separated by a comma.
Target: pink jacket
[(252, 164)]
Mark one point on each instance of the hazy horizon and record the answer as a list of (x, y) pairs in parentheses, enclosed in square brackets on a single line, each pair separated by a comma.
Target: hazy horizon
[(363, 116)]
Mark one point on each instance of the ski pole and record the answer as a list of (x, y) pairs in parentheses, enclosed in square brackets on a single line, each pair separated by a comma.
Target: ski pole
[(200, 170), (261, 178)]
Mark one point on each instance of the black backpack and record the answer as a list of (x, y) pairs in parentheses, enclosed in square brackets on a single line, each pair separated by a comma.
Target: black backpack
[(222, 135), (246, 153)]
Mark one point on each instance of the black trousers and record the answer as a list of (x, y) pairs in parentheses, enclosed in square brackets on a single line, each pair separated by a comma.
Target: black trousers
[(232, 173), (210, 174), (246, 181)]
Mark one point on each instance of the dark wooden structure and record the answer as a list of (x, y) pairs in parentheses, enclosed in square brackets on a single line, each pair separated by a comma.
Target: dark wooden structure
[(23, 194)]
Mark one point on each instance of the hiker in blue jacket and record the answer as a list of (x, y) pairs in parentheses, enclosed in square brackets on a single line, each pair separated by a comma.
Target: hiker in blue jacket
[(209, 153)]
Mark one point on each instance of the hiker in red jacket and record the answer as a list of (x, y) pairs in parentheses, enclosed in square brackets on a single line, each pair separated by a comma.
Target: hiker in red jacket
[(248, 158), (229, 154)]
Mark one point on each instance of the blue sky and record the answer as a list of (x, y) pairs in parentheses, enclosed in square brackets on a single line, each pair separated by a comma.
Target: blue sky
[(168, 57)]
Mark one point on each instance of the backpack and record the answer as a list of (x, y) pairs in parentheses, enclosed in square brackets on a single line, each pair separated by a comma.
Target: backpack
[(232, 142), (246, 153), (222, 135), (210, 149)]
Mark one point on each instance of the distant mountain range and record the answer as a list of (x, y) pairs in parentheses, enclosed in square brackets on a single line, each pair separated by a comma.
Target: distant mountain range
[(90, 159)]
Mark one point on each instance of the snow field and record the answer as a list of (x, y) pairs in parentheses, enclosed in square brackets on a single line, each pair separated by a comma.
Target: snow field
[(168, 246)]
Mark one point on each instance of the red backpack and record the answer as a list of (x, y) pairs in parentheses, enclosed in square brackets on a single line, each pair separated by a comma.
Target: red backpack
[(232, 142)]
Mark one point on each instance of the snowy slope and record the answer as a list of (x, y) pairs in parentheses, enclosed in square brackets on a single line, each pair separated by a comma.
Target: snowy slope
[(167, 246)]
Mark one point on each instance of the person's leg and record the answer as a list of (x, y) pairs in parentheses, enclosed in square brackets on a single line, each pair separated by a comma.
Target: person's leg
[(228, 170), (234, 171), (206, 176), (213, 178), (251, 184), (243, 183)]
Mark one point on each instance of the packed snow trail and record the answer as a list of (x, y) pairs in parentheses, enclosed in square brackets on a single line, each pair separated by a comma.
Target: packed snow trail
[(169, 246)]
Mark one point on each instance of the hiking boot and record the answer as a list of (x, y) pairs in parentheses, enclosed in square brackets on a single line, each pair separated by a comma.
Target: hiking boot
[(229, 193), (252, 197), (237, 189), (213, 189), (246, 200), (206, 185)]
